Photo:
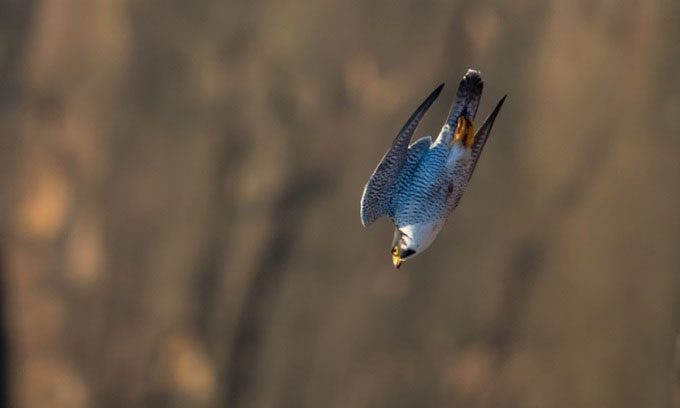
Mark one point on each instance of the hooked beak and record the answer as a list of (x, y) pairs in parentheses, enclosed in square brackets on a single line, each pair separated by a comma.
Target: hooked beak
[(396, 260)]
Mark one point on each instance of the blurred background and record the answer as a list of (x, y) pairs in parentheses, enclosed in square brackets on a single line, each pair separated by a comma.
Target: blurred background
[(180, 185)]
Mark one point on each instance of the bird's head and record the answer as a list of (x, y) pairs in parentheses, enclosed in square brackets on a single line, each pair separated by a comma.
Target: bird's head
[(412, 240), (403, 247)]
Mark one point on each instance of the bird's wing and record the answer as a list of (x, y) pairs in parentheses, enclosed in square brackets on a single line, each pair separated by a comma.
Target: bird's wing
[(376, 198), (481, 136), (415, 152)]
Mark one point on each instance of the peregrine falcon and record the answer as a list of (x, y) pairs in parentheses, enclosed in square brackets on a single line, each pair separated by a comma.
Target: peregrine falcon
[(418, 185)]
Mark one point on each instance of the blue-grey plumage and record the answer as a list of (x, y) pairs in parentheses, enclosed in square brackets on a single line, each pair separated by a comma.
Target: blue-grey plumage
[(419, 185), (377, 197)]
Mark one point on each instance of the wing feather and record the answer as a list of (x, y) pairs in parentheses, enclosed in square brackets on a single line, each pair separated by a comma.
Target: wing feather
[(481, 136), (376, 198)]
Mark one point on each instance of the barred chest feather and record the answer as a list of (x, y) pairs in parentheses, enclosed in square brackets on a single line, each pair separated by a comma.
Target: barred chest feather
[(434, 188)]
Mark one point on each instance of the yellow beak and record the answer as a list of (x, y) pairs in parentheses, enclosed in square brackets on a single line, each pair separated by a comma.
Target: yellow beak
[(396, 260)]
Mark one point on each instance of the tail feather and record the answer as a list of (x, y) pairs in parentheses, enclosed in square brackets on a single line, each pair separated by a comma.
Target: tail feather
[(467, 99)]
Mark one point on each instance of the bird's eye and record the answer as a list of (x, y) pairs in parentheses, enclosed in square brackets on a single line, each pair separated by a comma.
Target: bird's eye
[(395, 251)]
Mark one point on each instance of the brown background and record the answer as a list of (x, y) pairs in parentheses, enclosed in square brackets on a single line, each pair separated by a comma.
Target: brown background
[(180, 184)]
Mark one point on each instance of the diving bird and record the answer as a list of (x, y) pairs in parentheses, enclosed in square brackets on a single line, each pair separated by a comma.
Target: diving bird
[(418, 185)]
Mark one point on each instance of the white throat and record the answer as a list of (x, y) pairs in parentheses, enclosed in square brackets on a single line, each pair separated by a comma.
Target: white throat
[(419, 236)]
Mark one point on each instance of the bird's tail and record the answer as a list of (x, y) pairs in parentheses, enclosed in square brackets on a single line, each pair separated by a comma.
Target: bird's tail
[(464, 108)]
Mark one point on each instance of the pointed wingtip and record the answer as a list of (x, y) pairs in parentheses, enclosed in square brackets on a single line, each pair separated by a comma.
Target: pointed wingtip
[(482, 135), (488, 122), (437, 91), (498, 106), (430, 99)]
